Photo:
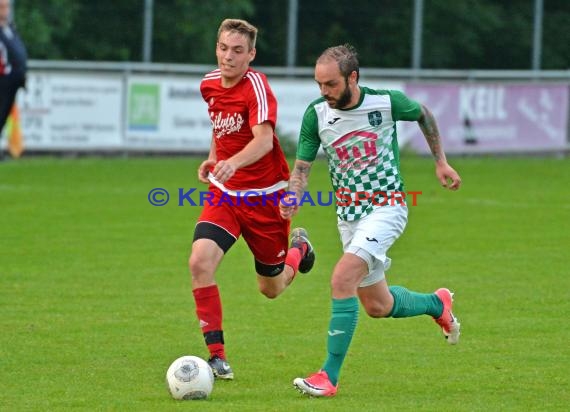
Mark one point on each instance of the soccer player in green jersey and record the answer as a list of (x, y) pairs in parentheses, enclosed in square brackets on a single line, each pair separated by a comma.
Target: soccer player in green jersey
[(356, 126)]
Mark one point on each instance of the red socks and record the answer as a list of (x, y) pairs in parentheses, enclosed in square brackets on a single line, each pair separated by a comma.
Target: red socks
[(209, 312), (293, 258)]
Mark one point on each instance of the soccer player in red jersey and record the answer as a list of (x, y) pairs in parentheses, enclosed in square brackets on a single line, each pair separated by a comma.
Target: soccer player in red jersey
[(247, 174)]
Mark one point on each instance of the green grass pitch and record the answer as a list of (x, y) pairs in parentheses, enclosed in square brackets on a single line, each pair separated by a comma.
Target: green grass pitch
[(95, 298)]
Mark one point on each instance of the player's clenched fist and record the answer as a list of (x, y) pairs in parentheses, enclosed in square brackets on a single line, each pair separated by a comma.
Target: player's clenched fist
[(288, 206)]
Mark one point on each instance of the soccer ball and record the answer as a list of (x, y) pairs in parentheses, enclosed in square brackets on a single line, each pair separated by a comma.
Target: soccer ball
[(190, 377)]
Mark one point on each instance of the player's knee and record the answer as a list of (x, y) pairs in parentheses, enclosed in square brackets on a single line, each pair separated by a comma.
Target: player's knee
[(270, 279), (193, 264), (269, 292), (199, 268), (342, 285)]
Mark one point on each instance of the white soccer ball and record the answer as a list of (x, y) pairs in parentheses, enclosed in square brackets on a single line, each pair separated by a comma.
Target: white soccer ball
[(190, 377)]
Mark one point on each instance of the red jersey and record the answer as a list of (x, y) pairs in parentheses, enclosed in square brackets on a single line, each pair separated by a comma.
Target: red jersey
[(233, 111)]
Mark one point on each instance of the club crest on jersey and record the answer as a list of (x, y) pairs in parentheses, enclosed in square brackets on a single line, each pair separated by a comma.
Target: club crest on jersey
[(375, 118)]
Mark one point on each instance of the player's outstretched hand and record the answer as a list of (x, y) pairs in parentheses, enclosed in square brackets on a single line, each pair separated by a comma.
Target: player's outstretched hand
[(447, 176)]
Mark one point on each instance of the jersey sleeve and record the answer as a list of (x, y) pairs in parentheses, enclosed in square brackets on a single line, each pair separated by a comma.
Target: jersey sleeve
[(262, 103), (309, 140), (206, 84), (404, 108)]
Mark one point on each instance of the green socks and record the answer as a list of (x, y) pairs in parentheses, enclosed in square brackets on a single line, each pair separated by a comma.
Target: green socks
[(341, 328), (345, 316), (407, 304)]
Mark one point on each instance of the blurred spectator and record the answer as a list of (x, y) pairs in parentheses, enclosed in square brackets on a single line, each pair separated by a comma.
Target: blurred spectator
[(13, 67), (470, 138)]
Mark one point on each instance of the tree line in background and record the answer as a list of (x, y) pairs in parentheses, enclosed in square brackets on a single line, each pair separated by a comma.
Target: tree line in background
[(457, 34)]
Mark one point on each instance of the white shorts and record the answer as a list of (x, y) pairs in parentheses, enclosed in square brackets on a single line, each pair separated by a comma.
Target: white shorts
[(370, 238)]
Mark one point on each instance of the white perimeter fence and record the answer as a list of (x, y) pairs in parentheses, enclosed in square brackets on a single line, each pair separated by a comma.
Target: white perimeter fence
[(119, 107)]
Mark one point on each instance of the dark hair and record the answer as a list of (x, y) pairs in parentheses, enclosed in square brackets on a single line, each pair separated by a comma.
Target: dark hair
[(241, 27), (346, 57)]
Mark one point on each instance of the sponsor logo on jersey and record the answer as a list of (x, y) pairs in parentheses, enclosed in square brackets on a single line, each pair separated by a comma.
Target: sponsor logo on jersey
[(224, 125)]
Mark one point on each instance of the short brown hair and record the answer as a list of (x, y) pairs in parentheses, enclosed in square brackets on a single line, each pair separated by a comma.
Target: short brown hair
[(346, 56), (241, 27)]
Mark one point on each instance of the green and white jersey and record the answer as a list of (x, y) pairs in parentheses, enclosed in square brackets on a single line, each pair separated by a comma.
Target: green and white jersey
[(361, 147)]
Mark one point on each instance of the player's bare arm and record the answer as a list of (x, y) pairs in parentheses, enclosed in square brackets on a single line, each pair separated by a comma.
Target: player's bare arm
[(299, 177), (447, 176), (429, 128), (298, 182), (208, 164), (259, 146)]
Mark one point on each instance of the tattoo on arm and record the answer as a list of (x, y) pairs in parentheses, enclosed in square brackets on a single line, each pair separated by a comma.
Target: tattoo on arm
[(299, 178), (429, 128)]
